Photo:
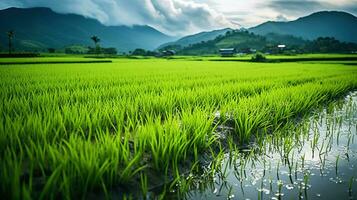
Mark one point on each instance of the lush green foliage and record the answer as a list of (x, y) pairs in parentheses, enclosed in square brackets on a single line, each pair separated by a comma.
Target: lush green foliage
[(70, 129), (330, 45), (259, 57), (246, 42)]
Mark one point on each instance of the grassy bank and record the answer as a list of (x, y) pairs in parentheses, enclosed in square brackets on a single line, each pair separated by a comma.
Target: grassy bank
[(67, 129)]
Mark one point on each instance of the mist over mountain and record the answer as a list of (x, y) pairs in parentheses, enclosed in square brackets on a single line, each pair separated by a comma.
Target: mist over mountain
[(340, 25), (41, 28)]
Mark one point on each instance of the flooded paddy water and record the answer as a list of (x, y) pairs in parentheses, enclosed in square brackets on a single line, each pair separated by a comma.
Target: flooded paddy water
[(316, 159)]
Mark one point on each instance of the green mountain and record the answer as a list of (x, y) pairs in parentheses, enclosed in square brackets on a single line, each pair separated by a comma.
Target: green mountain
[(340, 25), (242, 41), (196, 38), (41, 28)]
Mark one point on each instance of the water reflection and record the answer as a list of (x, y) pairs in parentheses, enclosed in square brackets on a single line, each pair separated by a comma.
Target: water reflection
[(316, 160)]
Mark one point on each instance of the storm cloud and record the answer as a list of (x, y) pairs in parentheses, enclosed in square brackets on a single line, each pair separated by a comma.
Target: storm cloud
[(170, 16), (181, 17)]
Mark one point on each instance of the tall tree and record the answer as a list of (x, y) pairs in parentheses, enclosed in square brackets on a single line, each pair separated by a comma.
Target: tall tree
[(10, 35), (96, 41)]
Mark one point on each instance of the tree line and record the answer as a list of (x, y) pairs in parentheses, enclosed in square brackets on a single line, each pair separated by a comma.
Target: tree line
[(97, 49)]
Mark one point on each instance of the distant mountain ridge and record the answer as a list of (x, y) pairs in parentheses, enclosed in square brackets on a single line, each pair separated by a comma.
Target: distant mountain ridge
[(340, 25), (197, 38), (41, 28)]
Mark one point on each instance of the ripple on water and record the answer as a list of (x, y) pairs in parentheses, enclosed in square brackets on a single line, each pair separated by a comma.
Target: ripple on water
[(318, 166)]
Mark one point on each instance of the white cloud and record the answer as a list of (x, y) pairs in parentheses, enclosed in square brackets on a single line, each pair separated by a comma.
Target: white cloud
[(281, 18), (178, 17), (175, 17), (253, 12)]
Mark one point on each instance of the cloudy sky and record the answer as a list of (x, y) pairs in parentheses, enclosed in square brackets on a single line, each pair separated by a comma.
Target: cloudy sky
[(179, 17)]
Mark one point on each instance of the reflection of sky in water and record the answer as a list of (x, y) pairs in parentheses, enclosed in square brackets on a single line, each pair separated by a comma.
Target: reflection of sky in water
[(335, 138)]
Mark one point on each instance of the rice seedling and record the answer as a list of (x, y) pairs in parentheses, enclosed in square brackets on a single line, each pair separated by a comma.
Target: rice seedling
[(336, 164), (144, 185), (303, 162), (350, 186), (306, 181), (279, 194)]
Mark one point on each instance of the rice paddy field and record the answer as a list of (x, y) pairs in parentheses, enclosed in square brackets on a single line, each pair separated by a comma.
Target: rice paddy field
[(178, 129)]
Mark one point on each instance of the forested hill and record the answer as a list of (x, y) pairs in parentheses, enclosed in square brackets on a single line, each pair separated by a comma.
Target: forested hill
[(340, 25), (42, 28)]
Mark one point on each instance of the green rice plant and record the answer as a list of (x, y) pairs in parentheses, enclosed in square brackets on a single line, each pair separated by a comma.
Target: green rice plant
[(336, 164), (303, 162), (350, 186), (306, 181), (144, 185), (10, 175)]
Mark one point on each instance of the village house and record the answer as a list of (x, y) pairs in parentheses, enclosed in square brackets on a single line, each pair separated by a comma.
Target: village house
[(227, 52)]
